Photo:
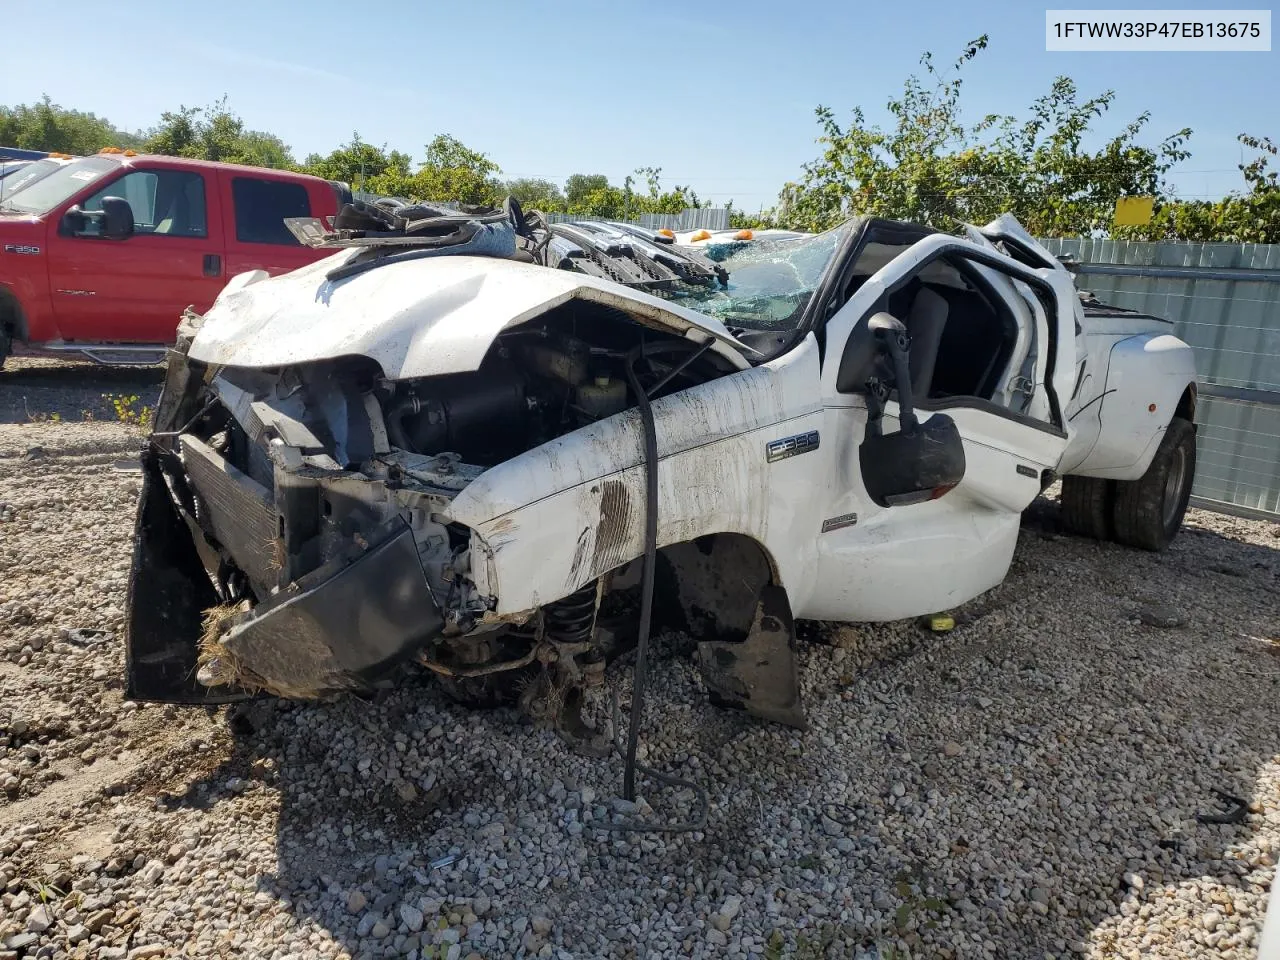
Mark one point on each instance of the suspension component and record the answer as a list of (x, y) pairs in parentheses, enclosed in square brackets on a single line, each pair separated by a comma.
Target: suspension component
[(572, 620)]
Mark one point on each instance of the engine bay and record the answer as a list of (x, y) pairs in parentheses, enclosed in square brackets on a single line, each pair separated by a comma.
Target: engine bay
[(290, 478)]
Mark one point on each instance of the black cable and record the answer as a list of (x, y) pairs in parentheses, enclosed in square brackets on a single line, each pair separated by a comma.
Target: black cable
[(646, 613), (682, 365), (641, 826), (650, 558)]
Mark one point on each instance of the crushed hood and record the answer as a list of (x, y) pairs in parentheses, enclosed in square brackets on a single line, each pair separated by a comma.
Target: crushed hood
[(417, 318)]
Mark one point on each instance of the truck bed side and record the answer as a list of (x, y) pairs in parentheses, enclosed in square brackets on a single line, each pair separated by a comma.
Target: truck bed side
[(1137, 378)]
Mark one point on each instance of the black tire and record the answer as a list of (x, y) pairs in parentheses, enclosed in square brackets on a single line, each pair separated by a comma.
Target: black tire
[(1148, 511), (1086, 506)]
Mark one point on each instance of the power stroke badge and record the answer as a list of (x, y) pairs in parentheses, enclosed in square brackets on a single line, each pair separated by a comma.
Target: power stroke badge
[(791, 446)]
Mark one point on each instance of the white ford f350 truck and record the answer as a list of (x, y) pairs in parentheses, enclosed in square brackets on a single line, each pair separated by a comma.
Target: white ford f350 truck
[(462, 439)]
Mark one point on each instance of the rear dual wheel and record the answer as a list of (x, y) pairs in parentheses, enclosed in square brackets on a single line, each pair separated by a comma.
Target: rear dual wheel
[(1145, 513)]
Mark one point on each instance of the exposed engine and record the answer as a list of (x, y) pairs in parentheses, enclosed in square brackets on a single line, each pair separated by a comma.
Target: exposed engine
[(289, 476), (538, 384)]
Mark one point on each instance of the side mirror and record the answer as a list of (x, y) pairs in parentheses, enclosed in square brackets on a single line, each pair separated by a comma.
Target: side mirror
[(875, 361), (74, 220), (117, 218), (921, 461), (912, 466)]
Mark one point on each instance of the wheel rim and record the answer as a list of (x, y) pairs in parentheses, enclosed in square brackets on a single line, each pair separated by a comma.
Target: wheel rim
[(1173, 482)]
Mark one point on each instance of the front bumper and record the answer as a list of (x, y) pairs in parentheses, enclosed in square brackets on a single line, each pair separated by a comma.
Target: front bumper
[(336, 629)]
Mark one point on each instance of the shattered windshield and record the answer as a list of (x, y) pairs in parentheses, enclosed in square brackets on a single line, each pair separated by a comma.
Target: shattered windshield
[(770, 281)]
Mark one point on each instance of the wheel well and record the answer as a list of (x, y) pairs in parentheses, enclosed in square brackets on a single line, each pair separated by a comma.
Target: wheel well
[(11, 318), (708, 586), (1187, 404)]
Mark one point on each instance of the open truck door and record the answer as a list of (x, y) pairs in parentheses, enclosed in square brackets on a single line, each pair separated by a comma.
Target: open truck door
[(982, 335)]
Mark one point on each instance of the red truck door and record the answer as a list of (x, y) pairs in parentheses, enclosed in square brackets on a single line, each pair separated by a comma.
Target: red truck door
[(258, 202), (134, 290)]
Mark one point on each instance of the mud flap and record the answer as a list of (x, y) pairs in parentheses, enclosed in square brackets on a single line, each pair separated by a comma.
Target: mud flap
[(758, 674), (167, 596)]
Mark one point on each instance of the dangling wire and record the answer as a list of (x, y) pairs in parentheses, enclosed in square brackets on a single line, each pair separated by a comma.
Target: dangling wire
[(646, 608), (650, 558)]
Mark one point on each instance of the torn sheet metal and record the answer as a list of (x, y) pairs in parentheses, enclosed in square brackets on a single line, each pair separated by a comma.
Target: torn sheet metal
[(167, 596)]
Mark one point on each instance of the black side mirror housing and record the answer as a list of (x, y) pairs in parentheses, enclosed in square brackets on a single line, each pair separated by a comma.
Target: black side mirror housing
[(921, 461), (117, 218), (74, 220), (912, 466), (862, 359)]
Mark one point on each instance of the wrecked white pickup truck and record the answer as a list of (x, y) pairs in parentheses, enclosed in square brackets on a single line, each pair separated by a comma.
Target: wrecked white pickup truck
[(462, 442)]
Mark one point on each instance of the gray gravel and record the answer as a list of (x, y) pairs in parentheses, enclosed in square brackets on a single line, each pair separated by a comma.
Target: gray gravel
[(1025, 786)]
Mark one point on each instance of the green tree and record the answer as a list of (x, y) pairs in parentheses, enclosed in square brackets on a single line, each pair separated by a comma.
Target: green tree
[(608, 202), (1251, 215), (741, 220), (452, 173), (535, 193), (582, 185), (215, 133), (449, 153), (655, 199), (930, 166), (357, 162), (44, 125)]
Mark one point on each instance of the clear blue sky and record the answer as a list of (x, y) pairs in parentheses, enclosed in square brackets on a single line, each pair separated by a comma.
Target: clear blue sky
[(719, 95)]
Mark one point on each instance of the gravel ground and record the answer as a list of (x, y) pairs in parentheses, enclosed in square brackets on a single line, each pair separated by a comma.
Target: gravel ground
[(1025, 786), (42, 389)]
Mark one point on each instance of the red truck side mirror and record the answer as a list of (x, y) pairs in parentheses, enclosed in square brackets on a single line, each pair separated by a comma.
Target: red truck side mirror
[(115, 219)]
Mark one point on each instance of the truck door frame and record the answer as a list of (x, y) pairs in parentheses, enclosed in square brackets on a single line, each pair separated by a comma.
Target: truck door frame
[(908, 560)]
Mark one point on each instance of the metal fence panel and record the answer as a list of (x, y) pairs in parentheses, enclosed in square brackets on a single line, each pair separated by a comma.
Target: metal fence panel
[(692, 218), (1224, 300)]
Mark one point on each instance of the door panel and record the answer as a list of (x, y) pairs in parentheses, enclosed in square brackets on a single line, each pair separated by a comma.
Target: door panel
[(1025, 366), (909, 560), (134, 290), (257, 238)]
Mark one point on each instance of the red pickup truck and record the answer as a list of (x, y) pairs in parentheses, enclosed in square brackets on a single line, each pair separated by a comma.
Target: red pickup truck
[(101, 256)]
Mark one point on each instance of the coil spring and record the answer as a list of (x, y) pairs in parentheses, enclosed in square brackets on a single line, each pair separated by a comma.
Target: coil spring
[(572, 619)]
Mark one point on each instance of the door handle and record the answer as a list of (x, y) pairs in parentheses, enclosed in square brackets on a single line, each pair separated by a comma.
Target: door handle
[(212, 265)]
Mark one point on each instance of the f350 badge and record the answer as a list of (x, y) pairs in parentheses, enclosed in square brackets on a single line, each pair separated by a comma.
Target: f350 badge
[(791, 446)]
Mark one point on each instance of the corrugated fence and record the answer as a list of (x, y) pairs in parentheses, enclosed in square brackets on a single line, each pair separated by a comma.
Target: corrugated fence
[(1224, 300), (692, 218)]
